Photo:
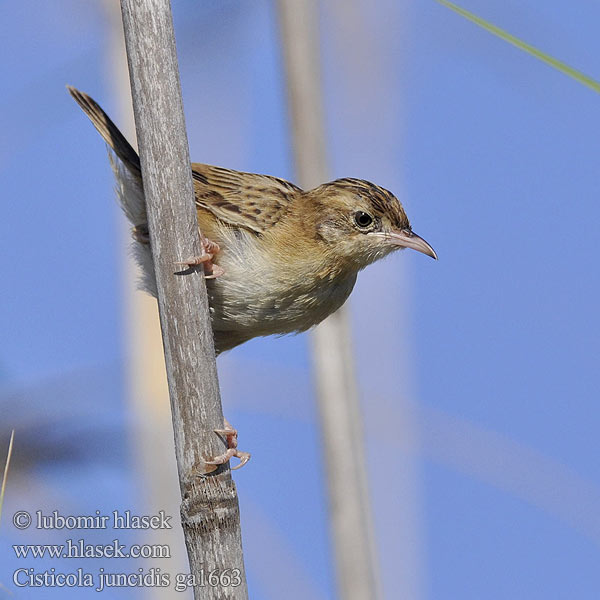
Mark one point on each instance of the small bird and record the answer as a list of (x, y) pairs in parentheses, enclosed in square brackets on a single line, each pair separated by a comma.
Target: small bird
[(278, 259)]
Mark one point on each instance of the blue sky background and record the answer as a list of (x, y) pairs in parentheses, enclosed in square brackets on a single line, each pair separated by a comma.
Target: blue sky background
[(484, 365)]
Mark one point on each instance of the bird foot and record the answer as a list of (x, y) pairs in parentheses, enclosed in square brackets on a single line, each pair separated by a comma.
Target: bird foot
[(209, 248), (230, 434)]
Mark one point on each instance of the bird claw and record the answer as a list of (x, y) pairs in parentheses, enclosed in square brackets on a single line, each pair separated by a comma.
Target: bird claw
[(215, 271), (230, 434), (194, 261), (221, 459), (209, 248)]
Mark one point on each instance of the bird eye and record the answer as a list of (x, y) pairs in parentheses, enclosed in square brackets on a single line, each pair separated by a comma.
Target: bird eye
[(363, 219)]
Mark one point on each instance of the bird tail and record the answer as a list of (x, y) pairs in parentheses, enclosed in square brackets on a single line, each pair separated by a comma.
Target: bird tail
[(108, 130), (126, 166)]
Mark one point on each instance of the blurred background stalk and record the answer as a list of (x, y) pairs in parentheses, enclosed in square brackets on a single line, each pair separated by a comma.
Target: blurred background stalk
[(337, 391)]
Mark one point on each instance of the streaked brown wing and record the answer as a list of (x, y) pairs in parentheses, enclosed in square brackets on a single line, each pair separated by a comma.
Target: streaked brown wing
[(255, 202)]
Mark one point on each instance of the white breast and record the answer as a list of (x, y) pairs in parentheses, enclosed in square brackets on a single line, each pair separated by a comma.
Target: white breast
[(254, 296)]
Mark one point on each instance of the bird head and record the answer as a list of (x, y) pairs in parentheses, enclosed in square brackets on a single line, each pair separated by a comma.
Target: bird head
[(363, 222)]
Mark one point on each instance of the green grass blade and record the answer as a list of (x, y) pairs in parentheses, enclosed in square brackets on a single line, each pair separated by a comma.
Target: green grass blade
[(5, 476), (511, 39)]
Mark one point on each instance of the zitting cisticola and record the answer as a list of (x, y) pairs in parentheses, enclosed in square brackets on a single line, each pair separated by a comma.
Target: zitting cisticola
[(278, 259)]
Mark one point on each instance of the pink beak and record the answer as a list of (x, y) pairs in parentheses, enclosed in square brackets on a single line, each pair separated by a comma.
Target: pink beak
[(407, 239)]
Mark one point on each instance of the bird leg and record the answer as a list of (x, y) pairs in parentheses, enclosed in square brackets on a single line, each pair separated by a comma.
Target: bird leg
[(230, 434), (209, 249)]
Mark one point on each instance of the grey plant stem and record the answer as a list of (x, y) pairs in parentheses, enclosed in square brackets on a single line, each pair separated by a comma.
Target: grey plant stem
[(210, 509)]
